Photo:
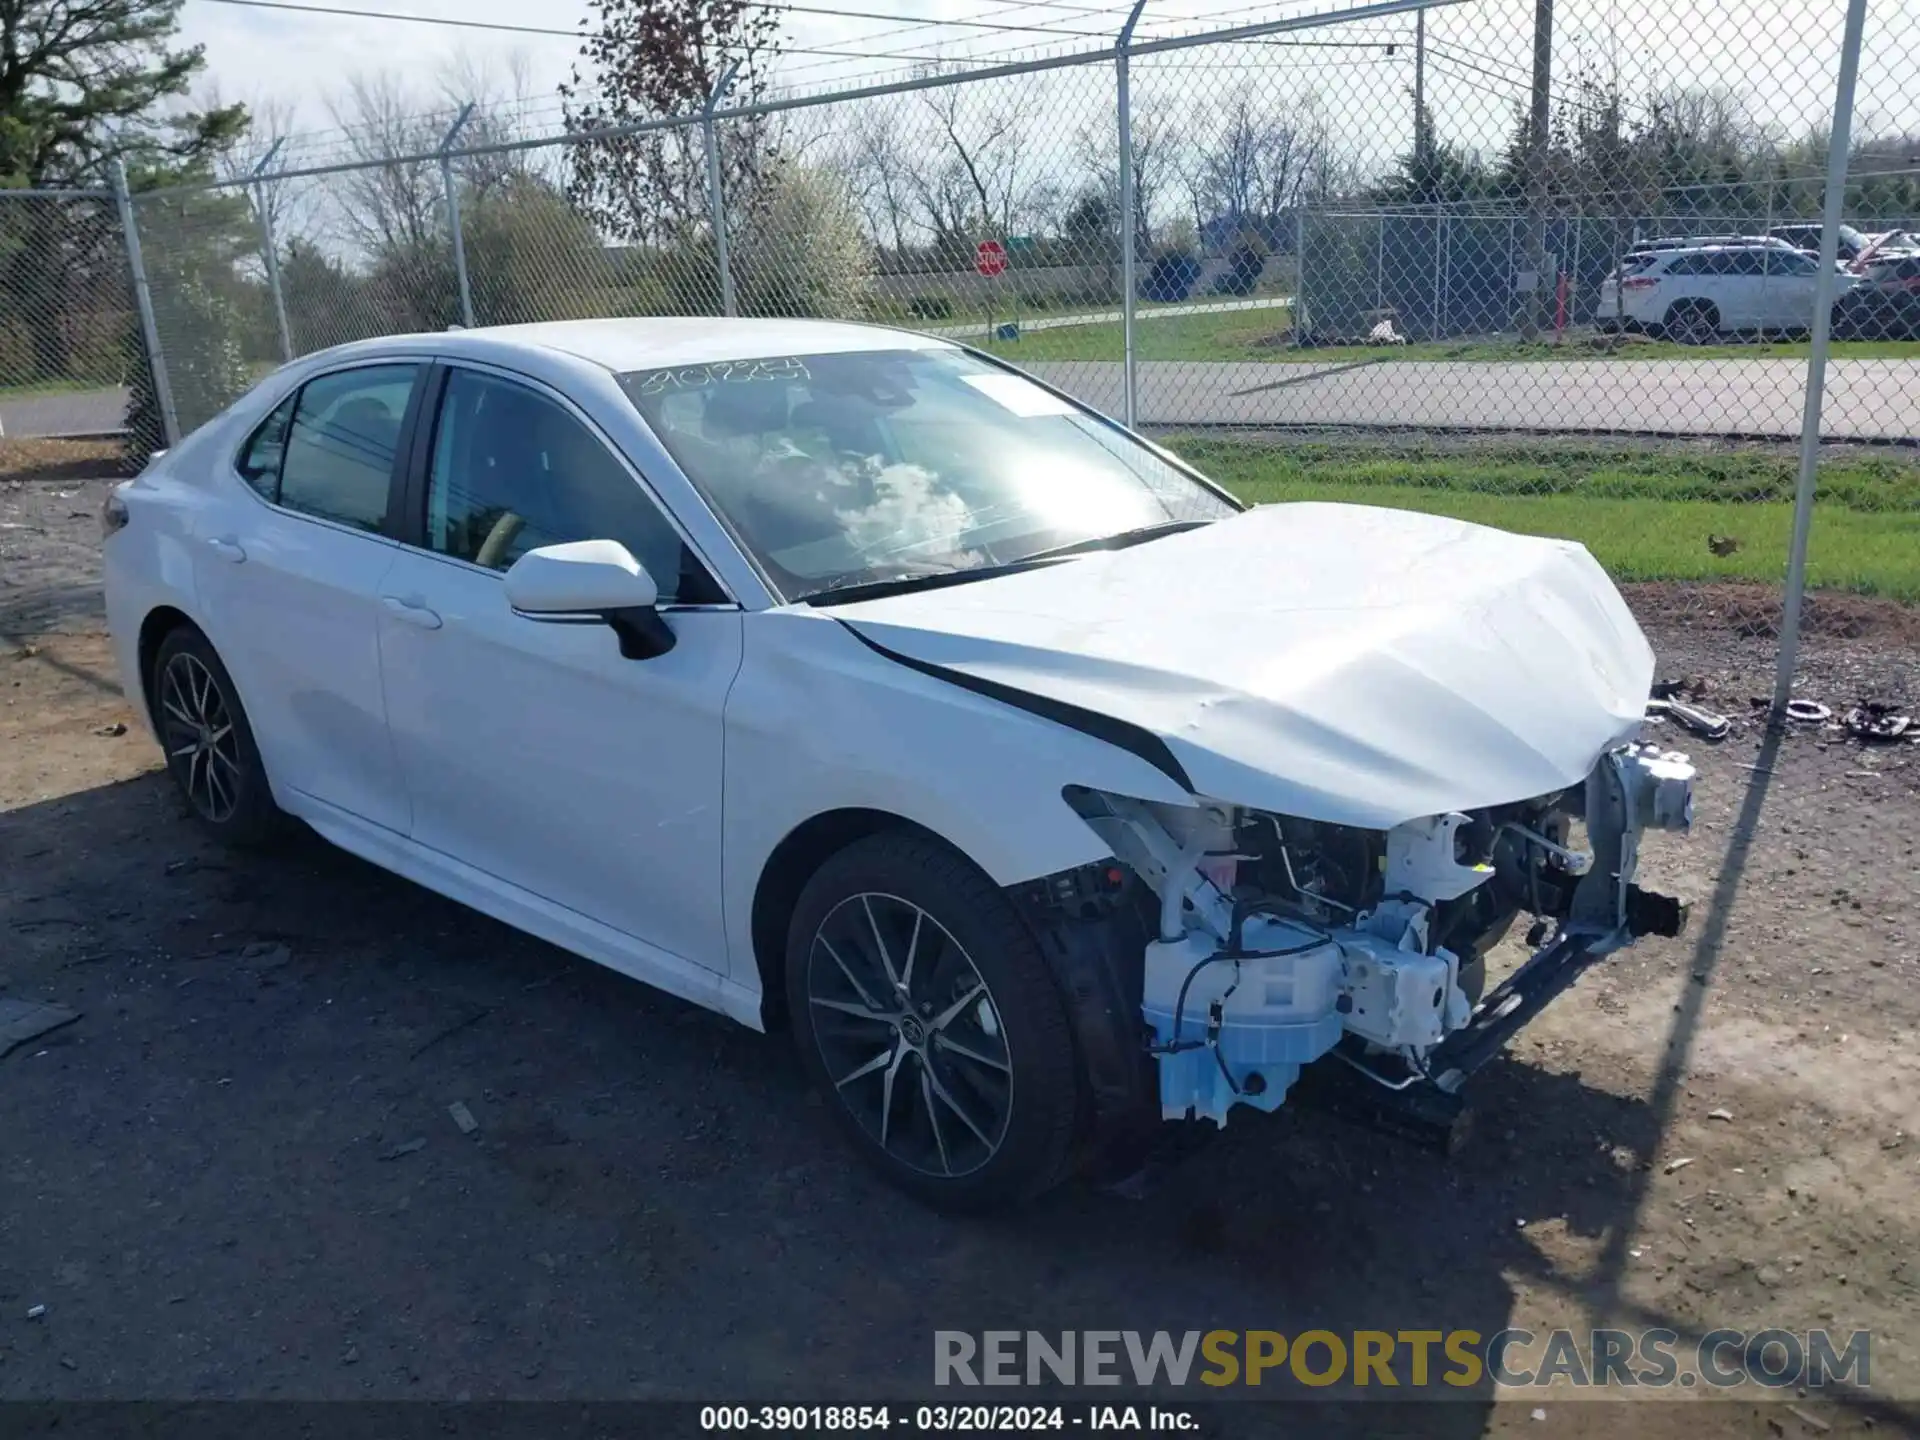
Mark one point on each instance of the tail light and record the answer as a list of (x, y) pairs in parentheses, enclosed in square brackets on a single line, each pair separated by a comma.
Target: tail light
[(1639, 282), (113, 513)]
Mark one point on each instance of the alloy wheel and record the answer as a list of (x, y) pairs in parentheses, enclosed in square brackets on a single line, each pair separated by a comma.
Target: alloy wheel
[(201, 743), (910, 1035)]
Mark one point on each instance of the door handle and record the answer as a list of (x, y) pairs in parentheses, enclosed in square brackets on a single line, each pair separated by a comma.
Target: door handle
[(226, 549), (411, 611)]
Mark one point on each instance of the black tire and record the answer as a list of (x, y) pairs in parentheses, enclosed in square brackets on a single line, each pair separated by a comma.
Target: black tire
[(974, 1140), (208, 742), (1692, 322)]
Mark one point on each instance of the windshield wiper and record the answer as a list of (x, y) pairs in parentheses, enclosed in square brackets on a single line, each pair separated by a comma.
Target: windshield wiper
[(1119, 540), (847, 590)]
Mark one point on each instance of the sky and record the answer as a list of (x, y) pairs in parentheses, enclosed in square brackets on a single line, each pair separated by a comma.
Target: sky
[(1778, 54)]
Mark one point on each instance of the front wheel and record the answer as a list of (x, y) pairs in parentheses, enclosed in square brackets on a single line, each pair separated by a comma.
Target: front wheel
[(924, 1012)]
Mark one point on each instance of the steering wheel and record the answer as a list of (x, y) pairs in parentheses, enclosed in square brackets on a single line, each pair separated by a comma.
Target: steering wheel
[(504, 532)]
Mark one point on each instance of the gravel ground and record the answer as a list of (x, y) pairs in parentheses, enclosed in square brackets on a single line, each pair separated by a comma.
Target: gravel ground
[(236, 1175)]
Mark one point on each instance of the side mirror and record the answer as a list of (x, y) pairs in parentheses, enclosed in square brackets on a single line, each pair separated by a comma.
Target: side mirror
[(591, 581)]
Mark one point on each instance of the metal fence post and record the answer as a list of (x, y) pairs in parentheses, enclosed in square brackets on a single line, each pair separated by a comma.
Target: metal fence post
[(1823, 286), (716, 193), (143, 298), (453, 214), (1380, 263), (1302, 322), (1130, 393), (269, 251)]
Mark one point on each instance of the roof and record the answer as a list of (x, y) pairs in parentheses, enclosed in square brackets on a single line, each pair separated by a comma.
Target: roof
[(650, 342), (1715, 247)]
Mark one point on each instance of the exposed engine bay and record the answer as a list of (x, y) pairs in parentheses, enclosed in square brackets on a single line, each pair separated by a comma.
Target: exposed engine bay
[(1279, 940)]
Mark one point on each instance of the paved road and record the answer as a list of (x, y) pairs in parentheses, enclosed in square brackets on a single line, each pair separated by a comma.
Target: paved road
[(1114, 317), (77, 412), (1866, 399)]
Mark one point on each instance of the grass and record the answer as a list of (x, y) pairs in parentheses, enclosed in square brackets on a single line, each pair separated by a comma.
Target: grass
[(1262, 335), (1645, 514)]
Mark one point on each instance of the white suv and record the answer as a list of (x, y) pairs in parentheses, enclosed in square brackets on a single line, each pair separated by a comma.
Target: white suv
[(1698, 294)]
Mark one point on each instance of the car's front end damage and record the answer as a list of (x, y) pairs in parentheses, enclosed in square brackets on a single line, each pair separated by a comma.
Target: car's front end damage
[(1392, 739), (1274, 943)]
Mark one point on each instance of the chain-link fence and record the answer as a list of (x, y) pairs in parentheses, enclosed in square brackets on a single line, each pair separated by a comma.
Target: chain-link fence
[(1551, 264), (70, 340)]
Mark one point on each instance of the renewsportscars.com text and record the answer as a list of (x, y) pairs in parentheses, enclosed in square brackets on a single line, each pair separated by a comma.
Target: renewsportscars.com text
[(1720, 1359)]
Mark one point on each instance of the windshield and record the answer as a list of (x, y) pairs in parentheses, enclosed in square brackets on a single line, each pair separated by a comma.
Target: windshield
[(852, 469)]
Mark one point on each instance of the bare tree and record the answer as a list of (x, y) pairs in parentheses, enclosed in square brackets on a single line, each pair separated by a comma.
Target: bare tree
[(502, 96), (880, 174), (387, 208), (1257, 157), (270, 122), (979, 185), (1158, 152)]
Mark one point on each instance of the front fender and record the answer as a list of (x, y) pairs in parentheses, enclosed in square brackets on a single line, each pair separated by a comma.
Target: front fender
[(818, 721)]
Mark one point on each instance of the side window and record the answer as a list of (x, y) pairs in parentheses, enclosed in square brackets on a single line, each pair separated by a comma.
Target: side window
[(340, 449), (513, 471), (1684, 265), (1746, 262), (260, 457)]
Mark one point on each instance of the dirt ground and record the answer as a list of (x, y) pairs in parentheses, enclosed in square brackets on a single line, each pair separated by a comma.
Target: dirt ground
[(212, 1184)]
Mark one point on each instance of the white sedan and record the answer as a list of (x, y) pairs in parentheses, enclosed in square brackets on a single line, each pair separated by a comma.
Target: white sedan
[(846, 679)]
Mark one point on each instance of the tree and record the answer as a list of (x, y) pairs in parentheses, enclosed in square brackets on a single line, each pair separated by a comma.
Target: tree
[(83, 82), (1435, 173), (530, 254), (1256, 160), (879, 172), (651, 60), (979, 186), (804, 252), (1158, 146), (205, 374)]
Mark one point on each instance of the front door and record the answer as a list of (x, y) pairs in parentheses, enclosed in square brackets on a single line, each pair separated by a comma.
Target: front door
[(533, 751)]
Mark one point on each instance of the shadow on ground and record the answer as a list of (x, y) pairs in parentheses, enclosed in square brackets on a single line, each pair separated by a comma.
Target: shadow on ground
[(237, 1175)]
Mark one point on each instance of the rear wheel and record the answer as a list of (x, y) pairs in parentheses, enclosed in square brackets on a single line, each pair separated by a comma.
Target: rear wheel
[(208, 743), (1692, 322), (924, 1012)]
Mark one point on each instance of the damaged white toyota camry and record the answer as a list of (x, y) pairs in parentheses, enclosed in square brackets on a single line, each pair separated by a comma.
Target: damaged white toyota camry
[(842, 678)]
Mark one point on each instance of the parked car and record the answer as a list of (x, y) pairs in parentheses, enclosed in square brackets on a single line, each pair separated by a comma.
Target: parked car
[(1886, 246), (1642, 249), (843, 679), (1699, 295), (1636, 259), (1885, 305), (1807, 237)]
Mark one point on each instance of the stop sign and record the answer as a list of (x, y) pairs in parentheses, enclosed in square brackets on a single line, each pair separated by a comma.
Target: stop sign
[(990, 258)]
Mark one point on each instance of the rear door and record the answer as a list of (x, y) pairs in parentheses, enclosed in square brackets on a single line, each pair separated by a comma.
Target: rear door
[(289, 570), (1737, 285), (1792, 278)]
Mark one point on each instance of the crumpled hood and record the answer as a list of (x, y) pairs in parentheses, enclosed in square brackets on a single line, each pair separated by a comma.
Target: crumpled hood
[(1345, 663)]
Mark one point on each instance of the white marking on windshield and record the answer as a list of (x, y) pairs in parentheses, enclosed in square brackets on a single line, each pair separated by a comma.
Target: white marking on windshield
[(1019, 395)]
